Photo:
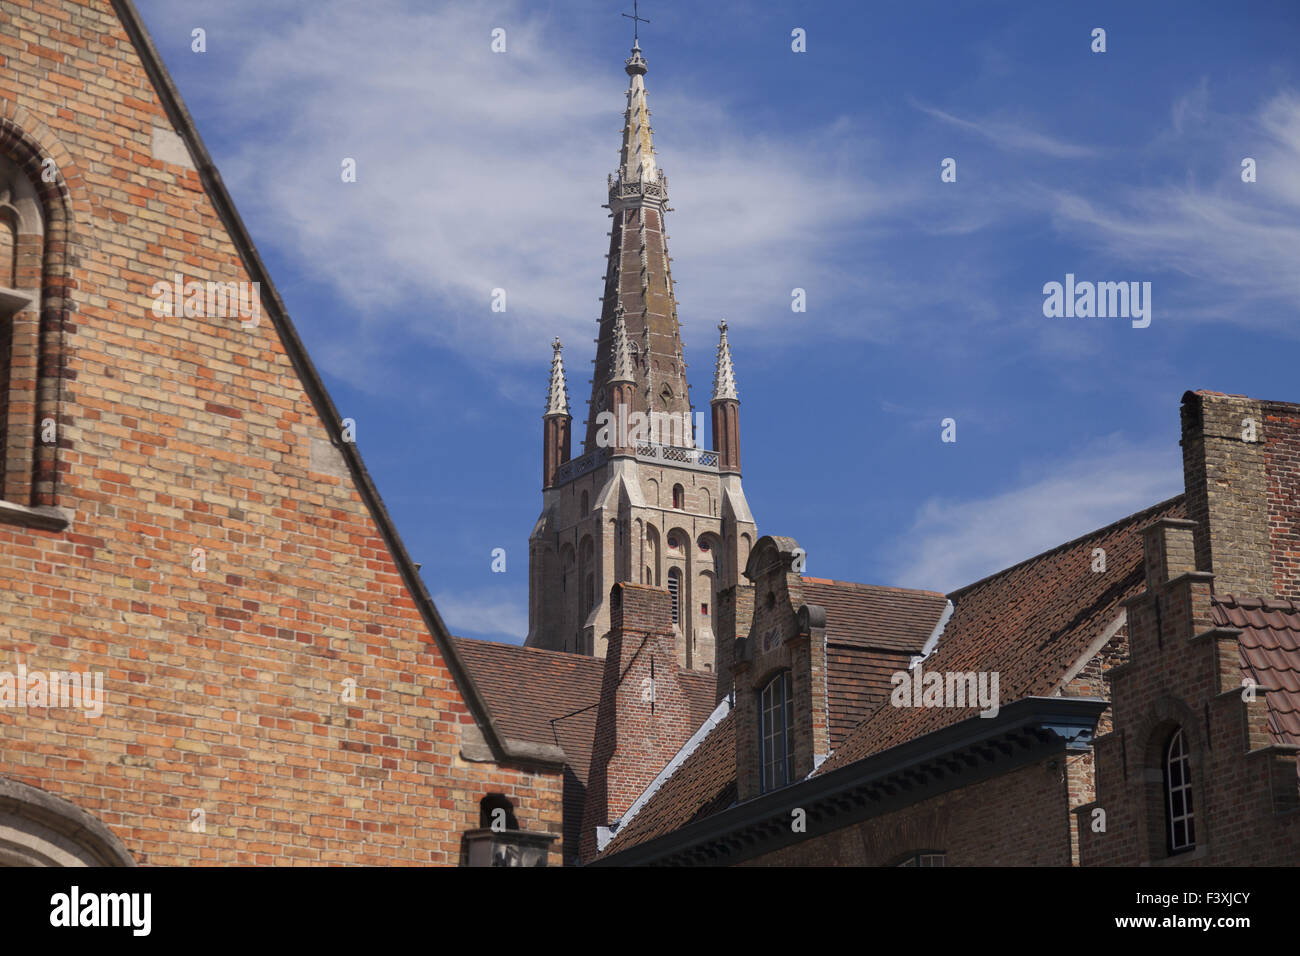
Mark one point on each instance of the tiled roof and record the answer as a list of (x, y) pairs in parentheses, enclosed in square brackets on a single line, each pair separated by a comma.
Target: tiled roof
[(704, 784), (1028, 623), (871, 632), (1270, 655), (551, 697), (870, 616)]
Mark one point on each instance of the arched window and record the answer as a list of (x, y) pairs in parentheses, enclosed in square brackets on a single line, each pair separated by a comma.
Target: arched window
[(679, 497), (675, 592), (1180, 823), (22, 254), (775, 727)]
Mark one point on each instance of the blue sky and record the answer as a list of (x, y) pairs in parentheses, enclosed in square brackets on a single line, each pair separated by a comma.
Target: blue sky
[(818, 170)]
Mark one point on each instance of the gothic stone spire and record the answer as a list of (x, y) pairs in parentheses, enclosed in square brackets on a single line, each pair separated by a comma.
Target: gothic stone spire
[(638, 277)]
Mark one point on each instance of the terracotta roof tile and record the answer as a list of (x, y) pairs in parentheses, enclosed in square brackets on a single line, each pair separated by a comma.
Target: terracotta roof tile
[(871, 632), (551, 697), (1028, 623), (1270, 655)]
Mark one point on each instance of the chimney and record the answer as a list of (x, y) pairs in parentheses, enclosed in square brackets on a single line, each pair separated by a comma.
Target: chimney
[(1225, 477), (643, 717)]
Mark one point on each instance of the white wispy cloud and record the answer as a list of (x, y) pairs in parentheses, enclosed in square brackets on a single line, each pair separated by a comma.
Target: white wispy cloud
[(1012, 136), (1240, 240), (479, 171), (954, 542), (491, 613)]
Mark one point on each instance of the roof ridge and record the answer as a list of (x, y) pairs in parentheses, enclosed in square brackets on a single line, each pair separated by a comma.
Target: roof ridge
[(1104, 529), (874, 587)]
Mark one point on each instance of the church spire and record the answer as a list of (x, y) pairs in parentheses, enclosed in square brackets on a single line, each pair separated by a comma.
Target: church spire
[(638, 275)]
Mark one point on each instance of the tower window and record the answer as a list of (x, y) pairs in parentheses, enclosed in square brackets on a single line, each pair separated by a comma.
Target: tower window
[(1181, 828), (585, 504), (675, 592), (679, 497)]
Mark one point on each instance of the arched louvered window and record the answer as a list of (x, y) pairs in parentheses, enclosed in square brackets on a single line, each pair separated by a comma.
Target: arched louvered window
[(1180, 820)]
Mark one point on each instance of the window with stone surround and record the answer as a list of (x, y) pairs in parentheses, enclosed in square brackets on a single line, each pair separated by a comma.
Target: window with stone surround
[(775, 727), (21, 247)]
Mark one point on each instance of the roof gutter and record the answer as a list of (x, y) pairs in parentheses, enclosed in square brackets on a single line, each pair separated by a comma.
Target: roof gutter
[(1028, 730)]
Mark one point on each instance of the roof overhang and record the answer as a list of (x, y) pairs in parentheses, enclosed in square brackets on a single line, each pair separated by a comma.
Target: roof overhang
[(1029, 730)]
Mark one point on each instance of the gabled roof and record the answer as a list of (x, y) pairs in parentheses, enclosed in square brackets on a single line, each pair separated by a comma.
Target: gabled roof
[(273, 306), (550, 697), (871, 632), (1270, 655), (1031, 623), (1028, 624)]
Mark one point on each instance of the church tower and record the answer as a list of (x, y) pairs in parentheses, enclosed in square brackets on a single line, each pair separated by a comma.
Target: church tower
[(644, 502)]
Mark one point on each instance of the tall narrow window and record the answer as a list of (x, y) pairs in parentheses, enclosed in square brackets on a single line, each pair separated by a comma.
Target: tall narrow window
[(775, 723), (675, 592), (679, 497), (1178, 794)]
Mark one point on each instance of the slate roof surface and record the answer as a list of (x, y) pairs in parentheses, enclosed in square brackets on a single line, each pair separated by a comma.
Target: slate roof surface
[(1270, 655)]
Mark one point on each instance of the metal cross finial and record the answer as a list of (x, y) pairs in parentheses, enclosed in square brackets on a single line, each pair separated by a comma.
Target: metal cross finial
[(637, 20)]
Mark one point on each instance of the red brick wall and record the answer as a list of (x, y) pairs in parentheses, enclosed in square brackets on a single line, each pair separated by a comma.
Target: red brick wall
[(1016, 819), (1282, 467), (634, 740), (223, 687), (1182, 673)]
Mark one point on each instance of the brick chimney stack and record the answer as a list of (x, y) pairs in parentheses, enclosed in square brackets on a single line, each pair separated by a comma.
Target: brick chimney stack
[(643, 717), (1241, 467)]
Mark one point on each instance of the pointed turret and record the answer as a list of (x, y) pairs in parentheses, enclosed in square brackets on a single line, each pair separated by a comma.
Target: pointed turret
[(726, 407), (724, 373), (622, 387), (557, 423)]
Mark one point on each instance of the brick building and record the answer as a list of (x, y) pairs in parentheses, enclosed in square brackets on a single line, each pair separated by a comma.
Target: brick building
[(1148, 705), (189, 543)]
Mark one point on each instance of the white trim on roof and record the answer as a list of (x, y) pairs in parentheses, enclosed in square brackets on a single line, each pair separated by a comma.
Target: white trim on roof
[(605, 834), (932, 641)]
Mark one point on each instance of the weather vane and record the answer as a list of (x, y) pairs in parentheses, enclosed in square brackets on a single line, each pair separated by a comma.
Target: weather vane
[(637, 20)]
